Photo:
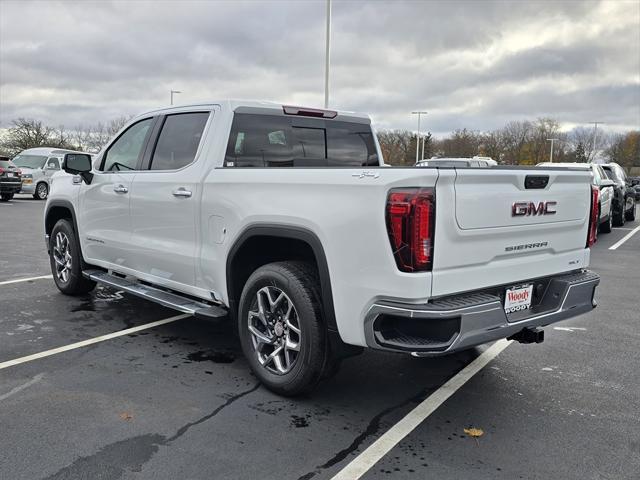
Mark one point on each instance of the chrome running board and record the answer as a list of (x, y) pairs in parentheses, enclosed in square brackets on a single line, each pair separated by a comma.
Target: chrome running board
[(163, 297)]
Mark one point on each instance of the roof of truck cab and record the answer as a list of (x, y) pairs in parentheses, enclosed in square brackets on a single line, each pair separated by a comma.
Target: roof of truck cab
[(234, 104)]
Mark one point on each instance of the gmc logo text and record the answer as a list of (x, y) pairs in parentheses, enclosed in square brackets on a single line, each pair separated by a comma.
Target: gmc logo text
[(522, 209)]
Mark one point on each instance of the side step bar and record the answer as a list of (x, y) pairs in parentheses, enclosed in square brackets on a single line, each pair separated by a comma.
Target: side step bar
[(157, 295)]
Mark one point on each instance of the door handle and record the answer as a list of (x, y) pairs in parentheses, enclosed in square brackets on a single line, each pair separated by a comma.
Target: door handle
[(120, 189), (182, 193)]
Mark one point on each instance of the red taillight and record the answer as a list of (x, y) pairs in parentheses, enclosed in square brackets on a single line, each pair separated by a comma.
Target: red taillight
[(309, 112), (410, 225), (1, 170), (592, 234)]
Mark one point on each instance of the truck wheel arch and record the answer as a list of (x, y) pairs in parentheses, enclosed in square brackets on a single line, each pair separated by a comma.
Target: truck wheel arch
[(301, 241), (56, 210)]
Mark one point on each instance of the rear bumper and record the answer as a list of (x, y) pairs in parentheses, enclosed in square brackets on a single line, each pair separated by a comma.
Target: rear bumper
[(456, 323), (10, 187)]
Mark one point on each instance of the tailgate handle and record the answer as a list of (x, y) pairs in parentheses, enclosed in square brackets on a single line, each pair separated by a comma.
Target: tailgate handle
[(536, 181)]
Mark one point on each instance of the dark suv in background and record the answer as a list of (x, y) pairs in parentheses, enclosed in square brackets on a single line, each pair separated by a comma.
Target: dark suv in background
[(624, 201), (10, 179)]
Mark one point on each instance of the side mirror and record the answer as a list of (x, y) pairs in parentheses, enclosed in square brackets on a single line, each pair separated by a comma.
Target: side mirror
[(79, 164), (606, 183)]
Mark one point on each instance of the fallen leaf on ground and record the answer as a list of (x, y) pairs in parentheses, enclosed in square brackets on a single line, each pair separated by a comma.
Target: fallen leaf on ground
[(126, 416), (474, 432)]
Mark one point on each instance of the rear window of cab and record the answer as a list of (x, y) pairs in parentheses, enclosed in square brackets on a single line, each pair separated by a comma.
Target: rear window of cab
[(258, 140)]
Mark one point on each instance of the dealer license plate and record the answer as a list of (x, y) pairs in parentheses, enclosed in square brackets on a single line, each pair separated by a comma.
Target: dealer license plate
[(518, 298)]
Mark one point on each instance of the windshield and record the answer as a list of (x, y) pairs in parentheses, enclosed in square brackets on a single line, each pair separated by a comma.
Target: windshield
[(29, 161)]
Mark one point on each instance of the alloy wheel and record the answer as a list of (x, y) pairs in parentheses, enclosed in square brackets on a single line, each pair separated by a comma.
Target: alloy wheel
[(275, 331), (42, 191), (62, 257)]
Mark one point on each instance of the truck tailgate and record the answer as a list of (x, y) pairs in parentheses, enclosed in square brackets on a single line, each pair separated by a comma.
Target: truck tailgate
[(495, 226)]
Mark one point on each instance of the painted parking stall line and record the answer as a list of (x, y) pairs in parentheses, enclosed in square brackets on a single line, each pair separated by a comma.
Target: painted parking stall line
[(29, 279), (625, 238), (383, 445), (90, 341)]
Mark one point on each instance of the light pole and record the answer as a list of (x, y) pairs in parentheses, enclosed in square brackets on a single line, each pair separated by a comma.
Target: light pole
[(327, 56), (172, 92), (551, 140), (593, 150), (420, 113)]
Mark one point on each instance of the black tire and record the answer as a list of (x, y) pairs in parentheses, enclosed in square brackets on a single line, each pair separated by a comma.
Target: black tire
[(631, 214), (299, 283), (608, 225), (41, 192), (73, 283), (5, 197), (619, 217)]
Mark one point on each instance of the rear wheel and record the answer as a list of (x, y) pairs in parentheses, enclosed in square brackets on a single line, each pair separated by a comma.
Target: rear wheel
[(281, 327), (42, 191), (608, 225), (66, 261), (619, 217), (6, 197), (631, 214)]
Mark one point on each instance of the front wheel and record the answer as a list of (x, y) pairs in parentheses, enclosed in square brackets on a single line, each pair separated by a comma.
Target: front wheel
[(281, 327), (42, 191), (6, 197), (66, 262)]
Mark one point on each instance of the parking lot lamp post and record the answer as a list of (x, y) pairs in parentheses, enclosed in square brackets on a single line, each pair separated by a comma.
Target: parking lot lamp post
[(327, 56), (595, 133), (551, 140), (420, 113), (172, 92)]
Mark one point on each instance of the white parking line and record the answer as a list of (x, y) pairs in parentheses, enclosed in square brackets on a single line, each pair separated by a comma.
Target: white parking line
[(625, 238), (19, 280), (378, 449), (91, 341)]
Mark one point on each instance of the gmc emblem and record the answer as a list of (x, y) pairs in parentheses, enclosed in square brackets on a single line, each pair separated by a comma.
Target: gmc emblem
[(522, 209)]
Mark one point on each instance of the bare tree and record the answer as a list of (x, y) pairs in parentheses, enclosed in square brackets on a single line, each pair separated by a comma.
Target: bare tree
[(28, 133)]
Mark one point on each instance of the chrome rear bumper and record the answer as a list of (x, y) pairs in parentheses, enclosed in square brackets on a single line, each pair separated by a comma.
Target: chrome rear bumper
[(456, 323)]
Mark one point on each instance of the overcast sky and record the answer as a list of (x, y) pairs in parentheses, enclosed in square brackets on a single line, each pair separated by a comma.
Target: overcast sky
[(471, 64)]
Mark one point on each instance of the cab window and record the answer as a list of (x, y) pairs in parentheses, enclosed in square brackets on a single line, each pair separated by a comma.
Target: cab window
[(124, 154), (53, 164), (178, 141)]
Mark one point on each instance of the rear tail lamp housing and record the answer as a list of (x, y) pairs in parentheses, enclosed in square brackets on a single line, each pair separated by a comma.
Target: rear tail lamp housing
[(410, 218), (594, 216)]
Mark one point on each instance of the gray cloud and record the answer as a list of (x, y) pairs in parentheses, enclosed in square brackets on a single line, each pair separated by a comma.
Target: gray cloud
[(472, 64)]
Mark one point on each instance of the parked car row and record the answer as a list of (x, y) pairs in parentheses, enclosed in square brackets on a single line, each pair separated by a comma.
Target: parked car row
[(30, 172)]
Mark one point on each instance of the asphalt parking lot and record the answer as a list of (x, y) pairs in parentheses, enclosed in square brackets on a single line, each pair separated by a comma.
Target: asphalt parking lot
[(178, 400)]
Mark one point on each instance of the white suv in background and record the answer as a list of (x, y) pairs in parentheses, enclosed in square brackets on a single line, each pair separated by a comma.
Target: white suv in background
[(38, 166)]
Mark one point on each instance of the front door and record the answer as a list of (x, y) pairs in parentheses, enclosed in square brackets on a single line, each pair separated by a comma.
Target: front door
[(105, 220)]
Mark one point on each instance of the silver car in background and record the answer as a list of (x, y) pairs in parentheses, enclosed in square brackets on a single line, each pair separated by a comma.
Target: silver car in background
[(38, 166), (600, 180)]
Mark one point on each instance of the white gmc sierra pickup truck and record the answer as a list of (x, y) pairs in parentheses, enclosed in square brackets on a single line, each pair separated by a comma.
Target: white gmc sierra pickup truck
[(285, 220)]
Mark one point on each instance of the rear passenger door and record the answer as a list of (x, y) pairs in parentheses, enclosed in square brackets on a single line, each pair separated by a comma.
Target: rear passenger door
[(165, 201)]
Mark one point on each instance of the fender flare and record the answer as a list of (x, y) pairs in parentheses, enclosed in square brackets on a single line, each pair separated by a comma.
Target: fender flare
[(69, 206), (289, 232)]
